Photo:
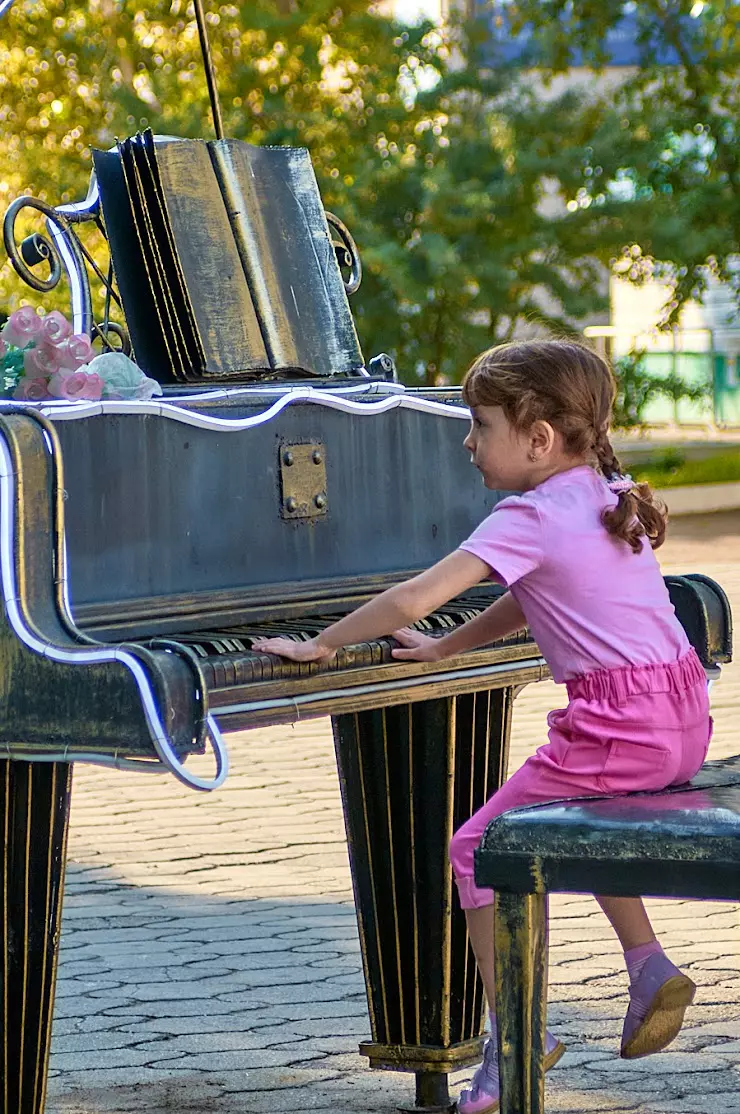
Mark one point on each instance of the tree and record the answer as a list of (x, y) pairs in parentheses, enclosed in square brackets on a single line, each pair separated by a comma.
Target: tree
[(662, 148)]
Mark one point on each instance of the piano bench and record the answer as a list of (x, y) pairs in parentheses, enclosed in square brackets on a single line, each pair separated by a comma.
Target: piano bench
[(682, 842)]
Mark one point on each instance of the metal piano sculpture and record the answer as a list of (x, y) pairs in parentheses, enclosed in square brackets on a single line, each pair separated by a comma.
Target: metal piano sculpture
[(144, 545)]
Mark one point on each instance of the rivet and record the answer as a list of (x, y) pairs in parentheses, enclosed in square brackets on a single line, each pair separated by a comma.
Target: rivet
[(320, 501), (290, 504), (316, 456), (288, 458)]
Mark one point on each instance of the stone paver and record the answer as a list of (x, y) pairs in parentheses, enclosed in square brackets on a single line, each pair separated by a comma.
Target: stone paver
[(209, 951)]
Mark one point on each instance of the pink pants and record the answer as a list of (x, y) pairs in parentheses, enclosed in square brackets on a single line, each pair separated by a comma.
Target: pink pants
[(624, 730)]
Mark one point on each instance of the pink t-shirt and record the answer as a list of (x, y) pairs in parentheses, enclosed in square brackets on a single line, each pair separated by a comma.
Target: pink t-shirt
[(590, 602)]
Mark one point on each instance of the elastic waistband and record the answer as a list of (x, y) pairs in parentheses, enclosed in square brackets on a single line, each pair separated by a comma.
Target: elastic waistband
[(637, 680)]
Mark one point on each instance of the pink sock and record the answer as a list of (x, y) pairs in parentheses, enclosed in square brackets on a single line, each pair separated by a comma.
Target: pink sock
[(636, 958)]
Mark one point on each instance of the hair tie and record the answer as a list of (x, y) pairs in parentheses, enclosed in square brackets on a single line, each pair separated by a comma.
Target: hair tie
[(620, 484)]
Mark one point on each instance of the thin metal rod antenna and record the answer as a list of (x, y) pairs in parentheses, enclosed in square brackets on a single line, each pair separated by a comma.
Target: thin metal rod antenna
[(218, 124)]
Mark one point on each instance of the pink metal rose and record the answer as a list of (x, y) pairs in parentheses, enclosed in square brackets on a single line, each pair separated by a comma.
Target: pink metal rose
[(31, 390), (76, 385), (75, 351), (23, 326), (42, 359), (55, 327), (93, 389)]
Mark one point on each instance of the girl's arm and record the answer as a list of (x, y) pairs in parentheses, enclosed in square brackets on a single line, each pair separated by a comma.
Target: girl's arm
[(503, 617), (398, 607)]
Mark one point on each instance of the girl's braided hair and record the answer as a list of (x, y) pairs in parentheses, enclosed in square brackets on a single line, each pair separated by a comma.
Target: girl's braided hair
[(570, 386)]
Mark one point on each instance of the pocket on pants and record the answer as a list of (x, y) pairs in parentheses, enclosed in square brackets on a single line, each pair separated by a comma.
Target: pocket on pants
[(634, 767)]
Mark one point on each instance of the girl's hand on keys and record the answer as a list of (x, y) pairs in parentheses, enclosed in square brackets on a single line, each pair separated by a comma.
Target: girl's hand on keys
[(296, 651), (416, 646)]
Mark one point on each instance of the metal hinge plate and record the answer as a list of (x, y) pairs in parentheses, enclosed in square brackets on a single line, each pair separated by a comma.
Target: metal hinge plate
[(303, 480)]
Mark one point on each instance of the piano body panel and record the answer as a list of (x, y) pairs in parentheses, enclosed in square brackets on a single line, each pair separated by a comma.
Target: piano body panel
[(55, 698), (180, 511)]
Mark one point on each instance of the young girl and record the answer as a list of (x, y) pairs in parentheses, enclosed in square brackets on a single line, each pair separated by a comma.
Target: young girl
[(575, 549)]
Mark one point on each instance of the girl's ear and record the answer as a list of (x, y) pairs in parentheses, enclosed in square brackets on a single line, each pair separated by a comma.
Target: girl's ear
[(541, 439)]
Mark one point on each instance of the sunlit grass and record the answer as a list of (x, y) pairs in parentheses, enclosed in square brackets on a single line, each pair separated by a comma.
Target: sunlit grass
[(670, 469)]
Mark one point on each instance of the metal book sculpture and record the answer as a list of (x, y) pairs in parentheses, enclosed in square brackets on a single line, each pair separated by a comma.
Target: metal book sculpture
[(225, 261)]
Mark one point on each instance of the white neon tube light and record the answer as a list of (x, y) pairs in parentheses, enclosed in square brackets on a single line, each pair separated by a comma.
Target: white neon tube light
[(79, 325), (63, 411), (235, 394)]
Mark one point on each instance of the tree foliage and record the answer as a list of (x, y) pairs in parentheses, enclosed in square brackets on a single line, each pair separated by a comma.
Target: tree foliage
[(663, 146), (478, 203)]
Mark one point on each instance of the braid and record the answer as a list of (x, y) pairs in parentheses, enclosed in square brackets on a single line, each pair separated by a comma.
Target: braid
[(608, 460), (637, 513)]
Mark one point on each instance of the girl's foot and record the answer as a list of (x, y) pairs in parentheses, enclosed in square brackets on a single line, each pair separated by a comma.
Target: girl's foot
[(482, 1095), (658, 1000)]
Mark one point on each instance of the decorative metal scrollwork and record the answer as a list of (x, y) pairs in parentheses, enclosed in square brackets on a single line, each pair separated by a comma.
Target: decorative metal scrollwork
[(35, 249), (347, 253), (63, 252)]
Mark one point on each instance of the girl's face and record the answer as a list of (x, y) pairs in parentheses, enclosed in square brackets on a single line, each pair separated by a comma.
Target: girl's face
[(498, 451), (507, 458)]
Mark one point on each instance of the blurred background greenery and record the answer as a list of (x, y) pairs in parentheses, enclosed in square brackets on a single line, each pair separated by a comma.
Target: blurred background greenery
[(488, 195)]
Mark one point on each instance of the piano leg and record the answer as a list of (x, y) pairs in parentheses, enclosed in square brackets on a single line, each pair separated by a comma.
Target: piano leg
[(410, 775), (34, 812)]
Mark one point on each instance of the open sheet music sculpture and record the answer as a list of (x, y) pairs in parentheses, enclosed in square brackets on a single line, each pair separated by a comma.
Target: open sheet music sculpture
[(241, 274)]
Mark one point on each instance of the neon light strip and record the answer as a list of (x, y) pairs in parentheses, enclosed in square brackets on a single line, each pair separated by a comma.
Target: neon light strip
[(84, 209), (167, 755), (77, 211), (215, 394), (73, 410), (79, 324)]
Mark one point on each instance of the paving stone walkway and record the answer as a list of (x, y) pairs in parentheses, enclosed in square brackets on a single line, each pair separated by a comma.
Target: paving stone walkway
[(210, 960)]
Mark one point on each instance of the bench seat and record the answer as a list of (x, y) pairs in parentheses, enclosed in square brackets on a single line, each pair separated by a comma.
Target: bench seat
[(683, 842)]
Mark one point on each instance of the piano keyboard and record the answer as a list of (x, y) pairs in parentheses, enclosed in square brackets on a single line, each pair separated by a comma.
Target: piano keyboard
[(251, 687), (237, 640)]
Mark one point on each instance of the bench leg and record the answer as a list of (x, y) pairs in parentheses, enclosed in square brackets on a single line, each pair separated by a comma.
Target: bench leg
[(520, 941)]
